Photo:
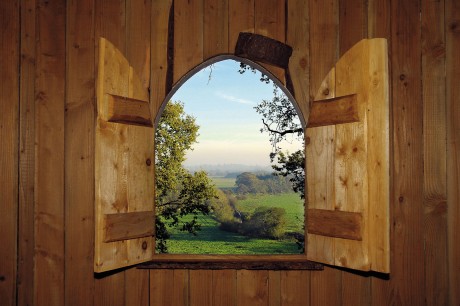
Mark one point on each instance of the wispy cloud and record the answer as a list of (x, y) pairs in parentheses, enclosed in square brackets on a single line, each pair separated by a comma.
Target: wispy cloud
[(233, 98)]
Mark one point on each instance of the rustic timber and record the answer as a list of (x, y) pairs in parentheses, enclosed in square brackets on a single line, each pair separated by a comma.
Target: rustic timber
[(128, 111), (128, 225), (418, 33), (234, 265), (338, 224), (334, 111), (263, 49)]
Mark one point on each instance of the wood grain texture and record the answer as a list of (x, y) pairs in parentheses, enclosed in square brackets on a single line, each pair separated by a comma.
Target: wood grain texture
[(407, 222), (128, 111), (49, 138), (270, 21), (224, 288), (179, 293), (9, 135), (338, 224), (326, 287), (299, 39), (252, 287), (352, 23), (161, 284), (320, 142), (26, 234), (295, 288), (109, 290), (200, 283), (79, 152), (379, 26), (452, 25), (188, 36), (240, 19), (129, 225), (356, 290), (159, 58), (333, 111), (434, 152), (137, 287), (215, 28)]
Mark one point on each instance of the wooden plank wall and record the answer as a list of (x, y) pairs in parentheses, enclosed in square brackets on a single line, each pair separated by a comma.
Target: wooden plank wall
[(47, 93)]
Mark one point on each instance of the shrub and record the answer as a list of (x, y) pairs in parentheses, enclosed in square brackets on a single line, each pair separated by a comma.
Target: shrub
[(265, 222)]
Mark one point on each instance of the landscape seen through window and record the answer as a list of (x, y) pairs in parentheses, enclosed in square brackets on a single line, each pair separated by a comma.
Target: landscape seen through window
[(229, 166)]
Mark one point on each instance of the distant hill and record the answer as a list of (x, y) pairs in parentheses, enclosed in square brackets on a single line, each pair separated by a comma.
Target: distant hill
[(228, 170)]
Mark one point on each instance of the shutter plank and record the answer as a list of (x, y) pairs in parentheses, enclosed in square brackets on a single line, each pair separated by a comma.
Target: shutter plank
[(123, 166), (128, 225), (338, 224), (357, 170)]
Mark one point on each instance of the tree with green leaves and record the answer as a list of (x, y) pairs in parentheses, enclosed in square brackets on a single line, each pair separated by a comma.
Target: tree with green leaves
[(178, 192)]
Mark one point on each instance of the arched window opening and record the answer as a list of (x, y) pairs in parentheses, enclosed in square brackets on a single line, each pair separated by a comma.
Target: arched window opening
[(229, 164)]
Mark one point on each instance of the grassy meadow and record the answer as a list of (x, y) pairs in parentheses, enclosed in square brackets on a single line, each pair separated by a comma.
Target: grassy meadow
[(212, 240)]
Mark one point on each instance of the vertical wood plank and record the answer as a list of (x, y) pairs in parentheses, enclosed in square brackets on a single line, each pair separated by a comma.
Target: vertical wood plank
[(295, 288), (252, 288), (109, 290), (241, 19), (434, 151), (379, 26), (9, 135), (79, 153), (270, 21), (407, 223), (161, 284), (274, 288), (353, 25), (181, 288), (355, 289), (325, 286), (352, 28), (201, 288), (110, 20), (49, 188), (159, 46), (188, 36), (26, 234), (215, 28), (453, 145), (299, 39), (138, 54), (137, 287), (224, 288)]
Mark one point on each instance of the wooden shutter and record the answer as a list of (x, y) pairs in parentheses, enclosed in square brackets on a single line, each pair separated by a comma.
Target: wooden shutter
[(124, 157), (347, 152)]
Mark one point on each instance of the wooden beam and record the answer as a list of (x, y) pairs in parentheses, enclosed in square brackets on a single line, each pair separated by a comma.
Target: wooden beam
[(128, 225), (334, 223), (128, 111), (234, 265), (334, 111), (263, 49)]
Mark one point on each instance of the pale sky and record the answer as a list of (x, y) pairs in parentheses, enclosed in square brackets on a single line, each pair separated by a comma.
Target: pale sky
[(224, 109)]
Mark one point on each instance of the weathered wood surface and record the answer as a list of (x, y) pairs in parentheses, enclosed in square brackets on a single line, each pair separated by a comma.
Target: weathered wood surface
[(49, 256), (452, 28), (9, 134), (333, 111), (26, 227), (236, 265), (331, 27), (263, 49), (79, 153), (123, 169)]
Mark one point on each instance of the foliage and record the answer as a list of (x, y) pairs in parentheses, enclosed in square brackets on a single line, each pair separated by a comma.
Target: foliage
[(178, 192), (265, 222), (280, 120), (250, 183)]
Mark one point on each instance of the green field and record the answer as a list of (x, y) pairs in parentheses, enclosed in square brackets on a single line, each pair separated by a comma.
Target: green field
[(223, 182), (212, 240)]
